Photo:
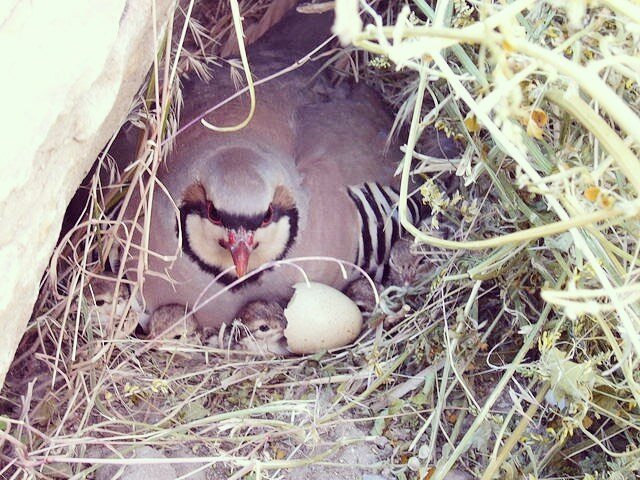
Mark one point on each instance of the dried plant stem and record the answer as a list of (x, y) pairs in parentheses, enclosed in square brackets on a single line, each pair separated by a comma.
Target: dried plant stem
[(580, 110), (586, 79), (446, 464), (516, 237), (495, 464), (624, 8), (237, 23), (374, 386), (178, 50), (211, 460)]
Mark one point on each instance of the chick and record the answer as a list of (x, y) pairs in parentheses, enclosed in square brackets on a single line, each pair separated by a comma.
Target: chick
[(170, 322), (262, 326), (405, 267), (405, 264), (361, 292), (99, 297)]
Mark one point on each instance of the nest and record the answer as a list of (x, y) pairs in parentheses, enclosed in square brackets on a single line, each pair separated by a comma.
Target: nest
[(514, 356)]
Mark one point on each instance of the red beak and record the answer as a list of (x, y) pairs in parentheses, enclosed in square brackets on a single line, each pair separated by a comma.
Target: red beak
[(240, 245), (240, 253)]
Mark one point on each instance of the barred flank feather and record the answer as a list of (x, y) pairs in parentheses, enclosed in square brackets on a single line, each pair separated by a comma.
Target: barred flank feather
[(377, 207)]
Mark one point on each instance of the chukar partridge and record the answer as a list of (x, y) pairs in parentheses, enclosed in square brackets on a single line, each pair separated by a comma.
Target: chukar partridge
[(258, 328), (304, 178), (406, 264), (171, 322), (99, 297), (262, 328)]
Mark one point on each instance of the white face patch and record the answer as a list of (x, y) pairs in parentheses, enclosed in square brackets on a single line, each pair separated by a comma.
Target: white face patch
[(204, 241), (272, 241), (204, 238)]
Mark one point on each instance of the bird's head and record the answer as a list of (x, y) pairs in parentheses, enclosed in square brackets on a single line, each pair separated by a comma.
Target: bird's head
[(239, 211)]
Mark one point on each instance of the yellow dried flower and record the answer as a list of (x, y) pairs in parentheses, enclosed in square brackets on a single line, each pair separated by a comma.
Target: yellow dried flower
[(471, 122), (591, 193), (537, 120), (606, 201)]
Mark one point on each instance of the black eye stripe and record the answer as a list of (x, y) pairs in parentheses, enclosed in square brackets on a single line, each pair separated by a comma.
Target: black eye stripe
[(192, 207), (249, 222), (228, 220), (268, 217), (234, 221), (212, 214)]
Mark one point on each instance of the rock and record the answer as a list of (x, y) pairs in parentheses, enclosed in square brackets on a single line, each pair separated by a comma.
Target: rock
[(158, 471), (354, 461), (457, 475), (70, 72), (139, 472)]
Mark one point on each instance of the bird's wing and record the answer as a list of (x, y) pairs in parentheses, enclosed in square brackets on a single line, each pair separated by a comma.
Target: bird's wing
[(350, 133)]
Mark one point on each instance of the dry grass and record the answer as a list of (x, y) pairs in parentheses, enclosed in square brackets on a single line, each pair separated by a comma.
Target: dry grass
[(518, 355)]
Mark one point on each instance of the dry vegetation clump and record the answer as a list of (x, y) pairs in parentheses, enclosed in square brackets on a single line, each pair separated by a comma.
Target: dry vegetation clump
[(515, 356)]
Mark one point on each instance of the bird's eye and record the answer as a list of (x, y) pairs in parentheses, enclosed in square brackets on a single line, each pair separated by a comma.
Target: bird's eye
[(268, 217), (264, 327), (213, 214)]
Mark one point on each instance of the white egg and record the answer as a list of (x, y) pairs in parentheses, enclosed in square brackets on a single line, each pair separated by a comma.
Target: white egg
[(319, 317)]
